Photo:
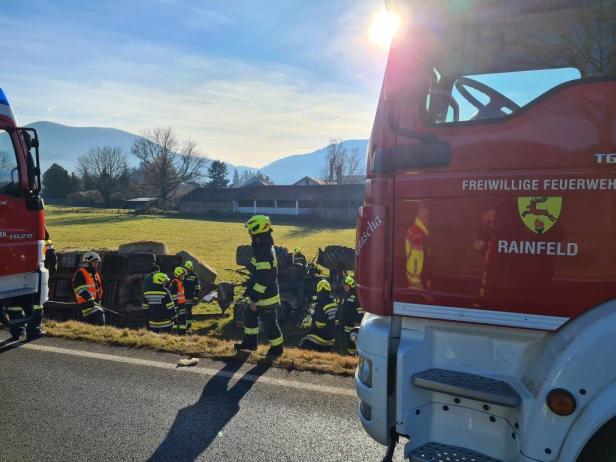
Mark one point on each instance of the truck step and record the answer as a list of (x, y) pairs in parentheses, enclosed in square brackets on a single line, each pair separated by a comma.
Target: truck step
[(437, 452), (467, 385)]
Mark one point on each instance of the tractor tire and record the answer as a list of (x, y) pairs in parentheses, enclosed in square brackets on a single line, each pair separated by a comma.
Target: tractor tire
[(337, 258), (138, 263), (243, 255), (157, 248), (239, 309), (284, 257), (206, 273)]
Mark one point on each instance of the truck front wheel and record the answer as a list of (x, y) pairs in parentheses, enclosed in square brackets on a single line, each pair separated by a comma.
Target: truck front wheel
[(602, 446)]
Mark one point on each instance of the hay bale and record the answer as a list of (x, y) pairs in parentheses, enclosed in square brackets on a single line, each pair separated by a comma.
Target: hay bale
[(157, 248), (206, 273)]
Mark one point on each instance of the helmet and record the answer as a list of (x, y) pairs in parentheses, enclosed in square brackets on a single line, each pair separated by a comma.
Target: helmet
[(188, 265), (90, 256), (160, 278), (349, 281), (323, 284), (297, 250), (258, 224), (179, 271)]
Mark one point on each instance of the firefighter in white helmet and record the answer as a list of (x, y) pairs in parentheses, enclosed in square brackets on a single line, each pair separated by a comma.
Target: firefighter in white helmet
[(88, 288)]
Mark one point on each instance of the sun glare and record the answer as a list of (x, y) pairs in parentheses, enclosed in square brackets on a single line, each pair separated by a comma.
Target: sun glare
[(383, 28)]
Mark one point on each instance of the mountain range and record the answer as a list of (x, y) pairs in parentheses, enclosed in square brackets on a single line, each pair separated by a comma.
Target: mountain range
[(63, 144)]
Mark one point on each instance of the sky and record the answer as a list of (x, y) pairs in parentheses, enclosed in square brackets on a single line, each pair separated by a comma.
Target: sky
[(249, 80)]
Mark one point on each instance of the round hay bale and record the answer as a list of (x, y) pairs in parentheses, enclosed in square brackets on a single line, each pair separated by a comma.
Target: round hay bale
[(206, 273), (158, 248)]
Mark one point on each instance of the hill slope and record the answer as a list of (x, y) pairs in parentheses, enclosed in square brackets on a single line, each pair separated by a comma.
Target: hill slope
[(63, 144)]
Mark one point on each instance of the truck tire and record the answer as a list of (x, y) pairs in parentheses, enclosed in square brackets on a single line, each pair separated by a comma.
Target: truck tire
[(337, 258), (157, 248), (206, 273), (602, 446), (243, 255)]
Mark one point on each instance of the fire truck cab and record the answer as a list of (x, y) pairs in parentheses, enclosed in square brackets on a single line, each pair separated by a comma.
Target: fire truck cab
[(23, 277), (486, 246)]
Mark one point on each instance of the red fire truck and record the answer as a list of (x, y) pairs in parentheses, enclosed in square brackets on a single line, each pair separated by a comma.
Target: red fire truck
[(23, 277), (486, 246)]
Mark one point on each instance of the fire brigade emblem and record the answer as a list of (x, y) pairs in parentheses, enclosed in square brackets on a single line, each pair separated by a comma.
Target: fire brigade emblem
[(539, 214)]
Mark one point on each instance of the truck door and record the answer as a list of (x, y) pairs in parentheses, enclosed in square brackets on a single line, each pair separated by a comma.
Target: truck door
[(18, 226), (521, 217)]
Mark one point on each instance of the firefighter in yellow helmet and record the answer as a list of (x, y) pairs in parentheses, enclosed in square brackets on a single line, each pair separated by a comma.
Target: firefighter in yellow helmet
[(323, 330), (192, 287), (298, 258), (158, 306), (262, 289), (352, 312), (176, 289)]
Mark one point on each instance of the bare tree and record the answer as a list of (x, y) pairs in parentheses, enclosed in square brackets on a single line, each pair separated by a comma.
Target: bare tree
[(105, 169), (340, 163), (583, 38), (353, 161), (166, 162)]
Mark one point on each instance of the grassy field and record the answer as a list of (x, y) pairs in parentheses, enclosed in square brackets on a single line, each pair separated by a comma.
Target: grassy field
[(212, 241)]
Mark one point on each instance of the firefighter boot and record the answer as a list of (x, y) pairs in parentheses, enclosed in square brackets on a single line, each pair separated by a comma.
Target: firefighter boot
[(246, 345), (275, 351)]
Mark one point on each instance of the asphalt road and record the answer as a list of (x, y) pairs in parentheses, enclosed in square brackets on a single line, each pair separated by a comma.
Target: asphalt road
[(63, 400)]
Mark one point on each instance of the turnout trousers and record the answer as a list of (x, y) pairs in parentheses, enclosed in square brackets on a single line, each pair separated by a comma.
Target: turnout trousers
[(33, 327), (96, 316), (269, 318)]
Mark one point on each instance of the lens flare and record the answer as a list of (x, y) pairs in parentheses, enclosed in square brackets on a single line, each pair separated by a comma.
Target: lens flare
[(383, 28)]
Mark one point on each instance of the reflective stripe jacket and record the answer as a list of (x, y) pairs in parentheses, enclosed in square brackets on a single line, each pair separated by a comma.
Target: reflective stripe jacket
[(176, 289), (192, 287), (88, 287), (352, 312), (323, 328), (158, 304), (263, 282)]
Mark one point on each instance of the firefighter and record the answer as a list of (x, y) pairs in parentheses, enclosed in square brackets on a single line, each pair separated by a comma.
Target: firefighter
[(323, 330), (159, 306), (298, 259), (262, 289), (352, 312), (88, 288), (192, 288), (176, 289)]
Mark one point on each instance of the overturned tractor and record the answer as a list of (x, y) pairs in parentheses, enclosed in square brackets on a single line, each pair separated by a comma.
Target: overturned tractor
[(123, 273)]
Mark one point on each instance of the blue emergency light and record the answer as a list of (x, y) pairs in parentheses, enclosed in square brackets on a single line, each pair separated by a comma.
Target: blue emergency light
[(3, 98)]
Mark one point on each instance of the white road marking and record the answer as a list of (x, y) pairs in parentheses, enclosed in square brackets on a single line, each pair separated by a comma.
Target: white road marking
[(194, 370)]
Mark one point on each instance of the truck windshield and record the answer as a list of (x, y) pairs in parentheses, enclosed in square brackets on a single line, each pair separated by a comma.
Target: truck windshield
[(482, 71), (9, 177)]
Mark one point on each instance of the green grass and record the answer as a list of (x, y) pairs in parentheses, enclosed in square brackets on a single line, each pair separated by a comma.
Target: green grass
[(212, 241)]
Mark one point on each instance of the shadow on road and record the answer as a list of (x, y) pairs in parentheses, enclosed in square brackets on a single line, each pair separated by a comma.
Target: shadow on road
[(197, 426)]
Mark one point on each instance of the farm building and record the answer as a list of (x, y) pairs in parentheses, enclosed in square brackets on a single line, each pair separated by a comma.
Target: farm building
[(337, 202)]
